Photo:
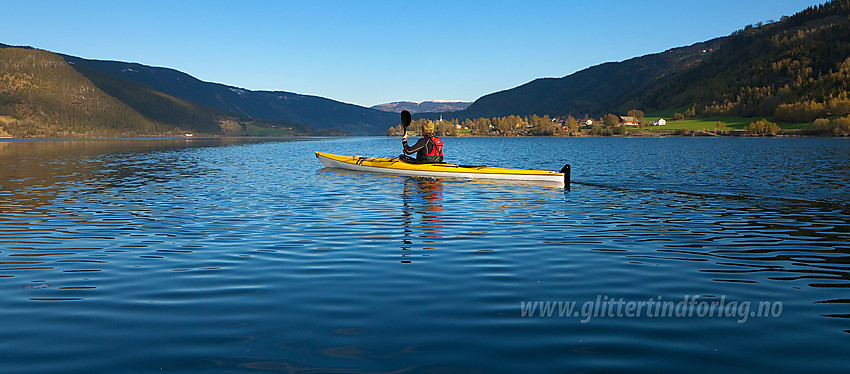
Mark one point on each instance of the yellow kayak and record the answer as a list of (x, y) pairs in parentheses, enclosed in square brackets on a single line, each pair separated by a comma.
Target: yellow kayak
[(394, 165)]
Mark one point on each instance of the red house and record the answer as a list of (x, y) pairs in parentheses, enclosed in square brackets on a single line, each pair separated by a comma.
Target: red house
[(629, 121)]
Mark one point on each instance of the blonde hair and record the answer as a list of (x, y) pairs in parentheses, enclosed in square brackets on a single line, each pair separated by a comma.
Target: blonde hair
[(428, 127)]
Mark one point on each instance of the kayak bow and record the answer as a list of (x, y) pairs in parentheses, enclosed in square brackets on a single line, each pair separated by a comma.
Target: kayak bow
[(393, 165)]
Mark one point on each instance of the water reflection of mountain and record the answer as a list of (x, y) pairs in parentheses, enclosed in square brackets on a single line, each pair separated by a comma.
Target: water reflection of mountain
[(75, 165), (64, 201)]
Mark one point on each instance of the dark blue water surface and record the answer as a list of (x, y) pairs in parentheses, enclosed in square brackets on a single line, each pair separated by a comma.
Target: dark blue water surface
[(677, 254)]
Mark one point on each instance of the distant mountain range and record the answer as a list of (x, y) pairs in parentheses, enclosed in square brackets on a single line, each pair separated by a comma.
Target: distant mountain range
[(414, 107), (313, 111), (798, 67)]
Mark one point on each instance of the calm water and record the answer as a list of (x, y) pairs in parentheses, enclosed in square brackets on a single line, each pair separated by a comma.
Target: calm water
[(678, 255)]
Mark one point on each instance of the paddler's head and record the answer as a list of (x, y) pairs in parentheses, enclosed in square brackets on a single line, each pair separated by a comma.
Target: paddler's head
[(428, 128)]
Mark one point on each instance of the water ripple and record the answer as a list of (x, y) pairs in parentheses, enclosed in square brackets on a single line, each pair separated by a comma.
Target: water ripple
[(233, 256)]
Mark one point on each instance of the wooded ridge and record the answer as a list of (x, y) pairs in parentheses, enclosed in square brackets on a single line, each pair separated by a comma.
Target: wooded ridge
[(43, 95), (795, 69)]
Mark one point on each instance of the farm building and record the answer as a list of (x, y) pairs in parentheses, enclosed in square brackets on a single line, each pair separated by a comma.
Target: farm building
[(629, 121)]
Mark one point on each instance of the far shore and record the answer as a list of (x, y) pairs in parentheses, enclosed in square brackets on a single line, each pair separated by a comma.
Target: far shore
[(627, 136)]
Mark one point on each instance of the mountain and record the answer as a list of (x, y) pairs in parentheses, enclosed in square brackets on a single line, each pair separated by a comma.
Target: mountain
[(593, 91), (432, 106), (313, 111), (43, 95), (798, 64), (782, 69), (134, 99)]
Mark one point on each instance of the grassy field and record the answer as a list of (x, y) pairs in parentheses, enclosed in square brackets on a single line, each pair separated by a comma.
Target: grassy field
[(710, 123), (253, 130)]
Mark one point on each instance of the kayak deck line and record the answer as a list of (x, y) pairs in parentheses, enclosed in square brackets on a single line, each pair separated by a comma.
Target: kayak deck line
[(394, 165), (398, 163), (393, 160)]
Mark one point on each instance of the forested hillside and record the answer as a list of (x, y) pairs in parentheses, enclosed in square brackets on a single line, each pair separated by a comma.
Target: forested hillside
[(313, 111), (797, 69), (185, 114), (42, 96), (591, 92)]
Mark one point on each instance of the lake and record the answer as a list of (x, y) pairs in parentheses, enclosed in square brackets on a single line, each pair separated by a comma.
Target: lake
[(245, 255)]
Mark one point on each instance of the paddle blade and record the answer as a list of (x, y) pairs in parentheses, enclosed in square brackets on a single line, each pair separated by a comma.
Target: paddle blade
[(405, 118)]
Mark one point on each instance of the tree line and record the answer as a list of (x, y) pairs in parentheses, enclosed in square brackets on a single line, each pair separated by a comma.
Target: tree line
[(496, 126), (607, 125), (515, 125)]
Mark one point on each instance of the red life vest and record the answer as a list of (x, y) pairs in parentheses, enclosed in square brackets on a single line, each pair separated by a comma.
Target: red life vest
[(437, 149)]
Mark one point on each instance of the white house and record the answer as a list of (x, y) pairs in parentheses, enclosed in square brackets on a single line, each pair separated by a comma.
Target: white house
[(659, 122)]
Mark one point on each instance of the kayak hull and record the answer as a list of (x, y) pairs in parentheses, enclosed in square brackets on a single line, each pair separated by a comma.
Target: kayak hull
[(393, 165)]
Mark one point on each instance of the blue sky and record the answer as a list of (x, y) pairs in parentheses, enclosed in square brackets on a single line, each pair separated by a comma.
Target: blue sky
[(371, 52)]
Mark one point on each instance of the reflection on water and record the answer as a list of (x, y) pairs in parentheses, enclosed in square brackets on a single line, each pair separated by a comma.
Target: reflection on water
[(248, 255), (421, 215), (67, 206)]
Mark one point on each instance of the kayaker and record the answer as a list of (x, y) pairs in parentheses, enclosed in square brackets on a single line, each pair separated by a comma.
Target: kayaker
[(428, 150)]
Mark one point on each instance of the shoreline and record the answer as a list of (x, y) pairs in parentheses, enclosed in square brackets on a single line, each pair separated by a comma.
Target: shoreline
[(635, 136), (11, 139)]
